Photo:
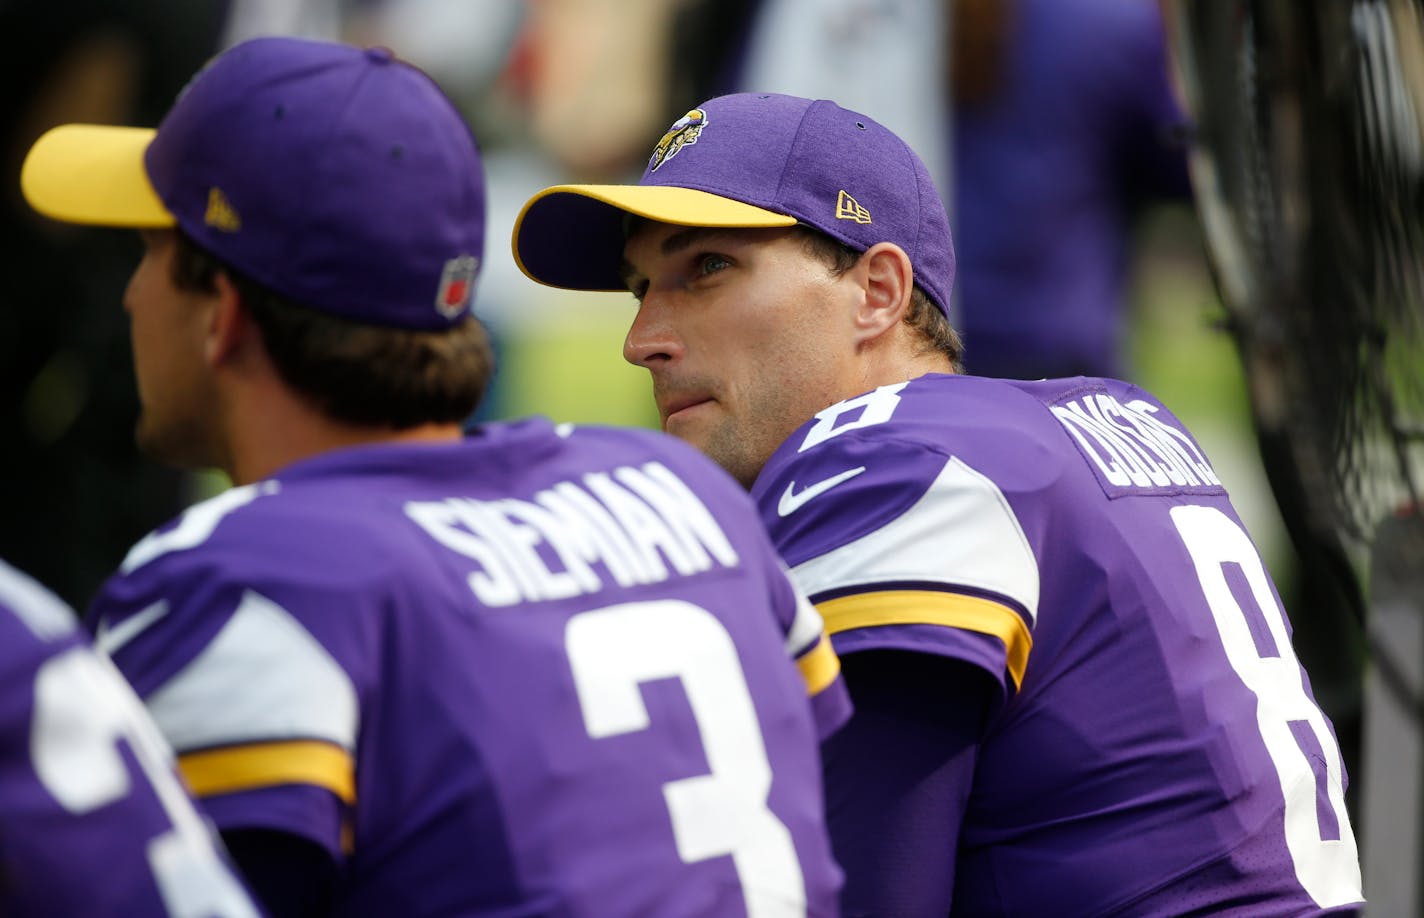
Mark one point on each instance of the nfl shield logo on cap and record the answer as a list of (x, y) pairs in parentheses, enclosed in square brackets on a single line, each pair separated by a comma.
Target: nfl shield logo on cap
[(457, 285)]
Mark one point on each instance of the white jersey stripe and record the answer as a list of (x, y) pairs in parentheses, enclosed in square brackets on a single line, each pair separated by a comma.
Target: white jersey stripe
[(997, 558), (263, 677)]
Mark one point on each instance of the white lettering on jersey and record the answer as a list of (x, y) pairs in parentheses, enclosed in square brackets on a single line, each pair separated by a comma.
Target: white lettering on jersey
[(642, 525), (875, 407), (648, 532), (590, 533), (688, 517), (614, 651), (84, 715), (792, 500), (1133, 448)]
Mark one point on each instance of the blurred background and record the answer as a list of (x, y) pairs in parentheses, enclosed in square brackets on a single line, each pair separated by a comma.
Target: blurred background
[(1067, 137), (1078, 243)]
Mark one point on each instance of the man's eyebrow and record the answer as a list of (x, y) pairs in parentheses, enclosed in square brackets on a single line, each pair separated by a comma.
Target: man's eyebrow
[(694, 235), (679, 241)]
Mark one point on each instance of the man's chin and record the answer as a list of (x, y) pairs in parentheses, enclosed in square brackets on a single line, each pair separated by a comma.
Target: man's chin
[(185, 449), (722, 445), (694, 431)]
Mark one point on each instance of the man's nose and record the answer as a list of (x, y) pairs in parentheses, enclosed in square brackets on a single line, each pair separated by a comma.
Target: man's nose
[(651, 338)]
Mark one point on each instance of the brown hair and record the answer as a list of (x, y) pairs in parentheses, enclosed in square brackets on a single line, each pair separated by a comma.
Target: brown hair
[(370, 375)]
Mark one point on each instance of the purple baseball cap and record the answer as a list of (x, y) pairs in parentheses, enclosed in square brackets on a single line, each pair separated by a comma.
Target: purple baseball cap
[(340, 178), (750, 160)]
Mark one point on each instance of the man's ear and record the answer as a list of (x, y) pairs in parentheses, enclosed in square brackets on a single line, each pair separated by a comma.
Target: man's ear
[(888, 281), (229, 322)]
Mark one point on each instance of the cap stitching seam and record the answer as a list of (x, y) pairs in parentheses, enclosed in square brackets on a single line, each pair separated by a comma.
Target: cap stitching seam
[(790, 153), (330, 150), (919, 208)]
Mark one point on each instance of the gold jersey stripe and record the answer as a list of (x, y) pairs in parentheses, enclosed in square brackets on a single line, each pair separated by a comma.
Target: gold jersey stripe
[(928, 607), (819, 666), (239, 768)]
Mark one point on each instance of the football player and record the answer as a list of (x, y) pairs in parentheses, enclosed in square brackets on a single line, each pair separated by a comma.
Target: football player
[(1074, 685), (531, 670)]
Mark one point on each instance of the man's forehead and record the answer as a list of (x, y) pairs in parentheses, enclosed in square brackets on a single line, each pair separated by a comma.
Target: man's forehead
[(670, 238)]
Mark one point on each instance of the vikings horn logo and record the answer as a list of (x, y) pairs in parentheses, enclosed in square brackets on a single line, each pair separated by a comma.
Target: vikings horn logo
[(684, 131)]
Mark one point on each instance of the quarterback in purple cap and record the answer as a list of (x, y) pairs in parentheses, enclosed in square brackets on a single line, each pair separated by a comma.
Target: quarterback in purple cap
[(1074, 687), (408, 670)]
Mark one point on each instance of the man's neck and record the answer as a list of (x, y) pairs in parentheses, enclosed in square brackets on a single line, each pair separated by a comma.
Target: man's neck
[(904, 367), (284, 429)]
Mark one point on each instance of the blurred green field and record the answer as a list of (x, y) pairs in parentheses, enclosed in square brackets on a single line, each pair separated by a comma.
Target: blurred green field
[(570, 366)]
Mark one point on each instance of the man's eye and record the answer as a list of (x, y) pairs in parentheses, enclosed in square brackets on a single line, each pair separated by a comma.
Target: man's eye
[(712, 263), (638, 286)]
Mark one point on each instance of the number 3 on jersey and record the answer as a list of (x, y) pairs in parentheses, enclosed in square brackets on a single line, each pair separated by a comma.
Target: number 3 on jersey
[(615, 649), (83, 710), (1327, 868)]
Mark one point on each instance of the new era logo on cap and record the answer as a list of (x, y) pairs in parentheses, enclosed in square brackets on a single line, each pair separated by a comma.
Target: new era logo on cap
[(221, 214), (848, 208)]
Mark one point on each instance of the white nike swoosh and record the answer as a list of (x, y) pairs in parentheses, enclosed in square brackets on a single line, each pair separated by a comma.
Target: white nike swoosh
[(791, 502), (110, 639)]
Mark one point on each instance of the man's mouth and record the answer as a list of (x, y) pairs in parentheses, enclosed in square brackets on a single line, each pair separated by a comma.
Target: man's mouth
[(676, 406)]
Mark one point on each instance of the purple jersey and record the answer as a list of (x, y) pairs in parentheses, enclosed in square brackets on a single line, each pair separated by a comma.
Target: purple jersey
[(93, 819), (545, 670), (1157, 749)]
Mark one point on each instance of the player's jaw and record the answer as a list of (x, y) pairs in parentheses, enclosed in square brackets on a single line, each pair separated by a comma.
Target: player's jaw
[(176, 445), (716, 423), (685, 406), (178, 402), (177, 421)]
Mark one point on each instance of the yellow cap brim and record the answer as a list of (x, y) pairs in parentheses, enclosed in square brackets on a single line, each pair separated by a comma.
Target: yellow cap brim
[(571, 236), (93, 174)]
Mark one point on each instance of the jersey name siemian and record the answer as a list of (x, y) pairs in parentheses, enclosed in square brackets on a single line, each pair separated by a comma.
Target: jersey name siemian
[(633, 526)]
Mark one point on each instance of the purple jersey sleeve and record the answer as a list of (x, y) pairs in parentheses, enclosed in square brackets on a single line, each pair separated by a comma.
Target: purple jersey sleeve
[(898, 778), (93, 819), (262, 714), (859, 510), (532, 671)]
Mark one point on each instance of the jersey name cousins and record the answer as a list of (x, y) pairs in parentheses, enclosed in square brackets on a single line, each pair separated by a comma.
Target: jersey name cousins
[(1156, 747)]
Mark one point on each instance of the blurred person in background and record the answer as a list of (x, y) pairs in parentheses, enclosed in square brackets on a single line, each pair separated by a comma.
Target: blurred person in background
[(74, 491), (886, 56), (1065, 127)]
